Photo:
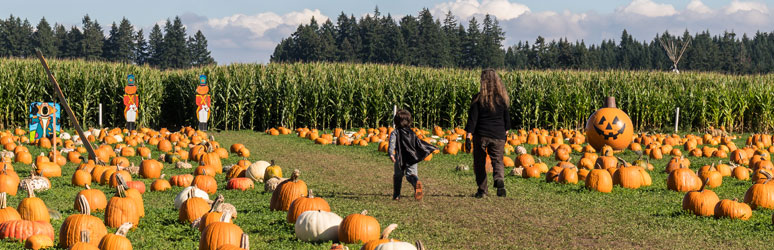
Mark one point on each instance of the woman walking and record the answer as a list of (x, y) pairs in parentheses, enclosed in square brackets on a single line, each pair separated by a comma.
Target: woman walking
[(488, 125)]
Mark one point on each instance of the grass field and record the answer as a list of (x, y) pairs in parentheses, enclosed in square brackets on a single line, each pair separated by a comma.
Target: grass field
[(535, 214)]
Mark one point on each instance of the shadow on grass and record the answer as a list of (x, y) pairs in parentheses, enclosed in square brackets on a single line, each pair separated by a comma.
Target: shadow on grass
[(351, 195), (672, 214)]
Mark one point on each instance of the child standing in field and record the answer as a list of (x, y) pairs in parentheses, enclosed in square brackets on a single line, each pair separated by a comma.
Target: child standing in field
[(406, 150)]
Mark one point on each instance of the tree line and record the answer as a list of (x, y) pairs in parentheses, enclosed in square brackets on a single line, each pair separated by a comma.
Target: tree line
[(427, 41), (166, 47)]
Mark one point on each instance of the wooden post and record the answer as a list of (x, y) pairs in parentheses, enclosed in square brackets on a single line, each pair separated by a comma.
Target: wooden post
[(53, 145), (677, 118), (70, 114), (100, 115)]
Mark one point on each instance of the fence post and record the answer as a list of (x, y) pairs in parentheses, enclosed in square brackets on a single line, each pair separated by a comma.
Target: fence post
[(677, 118)]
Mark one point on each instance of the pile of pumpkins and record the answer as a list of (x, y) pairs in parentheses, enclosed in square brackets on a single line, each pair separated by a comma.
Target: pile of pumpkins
[(30, 221), (702, 201), (599, 173)]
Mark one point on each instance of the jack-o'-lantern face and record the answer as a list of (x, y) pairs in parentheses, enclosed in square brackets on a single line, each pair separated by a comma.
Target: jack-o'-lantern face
[(610, 129), (609, 126)]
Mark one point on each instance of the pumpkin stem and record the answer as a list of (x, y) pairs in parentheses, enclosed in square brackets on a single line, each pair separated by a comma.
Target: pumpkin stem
[(310, 195), (3, 201), (610, 102), (162, 176), (704, 184), (123, 229), (83, 204), (272, 162), (216, 203), (295, 175), (85, 236), (767, 174), (736, 200), (31, 193), (624, 161), (120, 191), (420, 246), (245, 241), (121, 181), (365, 212), (388, 230), (226, 217)]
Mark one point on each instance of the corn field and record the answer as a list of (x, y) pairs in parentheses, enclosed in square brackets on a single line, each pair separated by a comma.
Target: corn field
[(328, 95)]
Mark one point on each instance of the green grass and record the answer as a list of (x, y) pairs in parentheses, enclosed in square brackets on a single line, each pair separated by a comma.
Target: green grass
[(535, 214)]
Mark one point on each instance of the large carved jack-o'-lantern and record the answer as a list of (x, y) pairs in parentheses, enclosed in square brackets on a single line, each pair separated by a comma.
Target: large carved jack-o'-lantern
[(609, 126)]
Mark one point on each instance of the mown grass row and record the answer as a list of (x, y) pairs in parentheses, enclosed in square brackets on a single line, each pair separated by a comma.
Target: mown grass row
[(327, 95)]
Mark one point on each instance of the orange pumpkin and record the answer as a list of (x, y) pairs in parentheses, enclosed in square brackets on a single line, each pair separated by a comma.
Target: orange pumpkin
[(33, 208), (121, 209), (288, 191), (609, 126), (70, 231), (308, 203), (117, 241), (220, 233), (358, 228), (371, 245), (150, 169)]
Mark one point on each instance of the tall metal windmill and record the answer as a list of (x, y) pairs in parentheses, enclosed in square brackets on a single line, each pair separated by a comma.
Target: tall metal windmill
[(674, 48)]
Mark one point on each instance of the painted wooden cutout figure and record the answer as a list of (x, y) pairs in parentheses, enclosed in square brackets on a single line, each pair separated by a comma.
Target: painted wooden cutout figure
[(131, 103), (44, 120), (203, 103)]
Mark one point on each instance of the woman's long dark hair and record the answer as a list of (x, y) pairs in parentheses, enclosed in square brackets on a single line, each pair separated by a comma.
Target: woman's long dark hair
[(492, 91)]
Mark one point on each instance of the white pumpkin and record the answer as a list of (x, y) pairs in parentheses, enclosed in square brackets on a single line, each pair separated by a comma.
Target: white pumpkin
[(65, 136), (316, 226), (397, 245), (256, 170), (186, 193)]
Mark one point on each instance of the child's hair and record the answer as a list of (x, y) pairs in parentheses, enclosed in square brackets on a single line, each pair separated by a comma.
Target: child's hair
[(402, 119)]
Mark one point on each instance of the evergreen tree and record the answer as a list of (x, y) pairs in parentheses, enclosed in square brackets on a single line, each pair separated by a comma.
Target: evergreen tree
[(393, 48), (16, 37), (197, 46), (93, 39), (470, 45), (155, 46), (328, 41), (60, 35), (119, 46), (72, 44), (307, 42), (431, 42), (44, 39), (454, 44), (492, 43), (347, 38), (174, 52), (140, 48), (409, 28)]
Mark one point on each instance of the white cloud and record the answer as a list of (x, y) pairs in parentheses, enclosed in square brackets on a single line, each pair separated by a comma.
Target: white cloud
[(697, 6), (502, 9), (739, 6), (260, 23), (649, 8)]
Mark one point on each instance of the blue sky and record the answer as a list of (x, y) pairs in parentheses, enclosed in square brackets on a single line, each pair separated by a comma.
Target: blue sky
[(246, 31)]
